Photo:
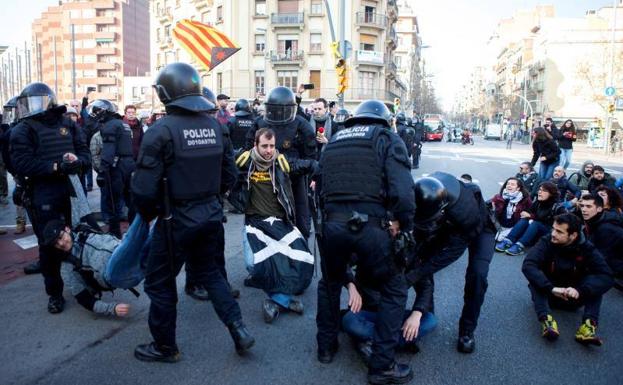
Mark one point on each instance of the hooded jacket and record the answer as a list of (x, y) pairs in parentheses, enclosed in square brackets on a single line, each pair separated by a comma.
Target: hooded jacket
[(605, 231), (579, 178), (579, 265)]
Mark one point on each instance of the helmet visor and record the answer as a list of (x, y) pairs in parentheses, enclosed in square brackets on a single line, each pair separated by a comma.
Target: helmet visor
[(280, 114), (8, 115), (32, 105)]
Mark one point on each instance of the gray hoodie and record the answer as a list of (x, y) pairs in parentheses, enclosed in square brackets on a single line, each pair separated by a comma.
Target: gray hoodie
[(579, 179)]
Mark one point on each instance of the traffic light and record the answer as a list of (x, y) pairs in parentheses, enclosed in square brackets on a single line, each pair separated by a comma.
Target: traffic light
[(396, 104), (342, 78), (611, 108)]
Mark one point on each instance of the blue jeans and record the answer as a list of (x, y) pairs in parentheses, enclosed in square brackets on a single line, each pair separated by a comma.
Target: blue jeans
[(123, 269), (527, 233), (546, 170), (565, 157), (361, 325)]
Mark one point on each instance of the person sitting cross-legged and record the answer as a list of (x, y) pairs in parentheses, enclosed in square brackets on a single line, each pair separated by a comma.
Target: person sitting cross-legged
[(565, 270), (508, 205)]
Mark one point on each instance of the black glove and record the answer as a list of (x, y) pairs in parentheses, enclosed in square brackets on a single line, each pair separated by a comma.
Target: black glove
[(100, 180), (404, 249), (70, 168)]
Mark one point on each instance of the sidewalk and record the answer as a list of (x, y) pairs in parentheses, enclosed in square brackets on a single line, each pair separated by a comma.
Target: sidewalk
[(13, 258)]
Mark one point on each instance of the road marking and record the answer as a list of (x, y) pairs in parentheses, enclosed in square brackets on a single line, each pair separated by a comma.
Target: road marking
[(27, 242)]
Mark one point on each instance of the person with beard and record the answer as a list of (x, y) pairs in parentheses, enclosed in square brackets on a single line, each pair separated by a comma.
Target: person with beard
[(566, 271), (551, 128), (46, 148), (568, 192), (546, 151), (600, 177), (322, 122), (529, 177), (605, 230), (582, 177), (131, 122), (566, 136), (508, 205)]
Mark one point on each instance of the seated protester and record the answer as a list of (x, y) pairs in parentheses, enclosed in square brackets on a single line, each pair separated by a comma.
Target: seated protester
[(100, 262), (619, 185), (534, 223), (276, 253), (565, 270), (600, 177), (581, 177), (613, 201), (605, 230), (508, 205), (529, 177), (569, 193)]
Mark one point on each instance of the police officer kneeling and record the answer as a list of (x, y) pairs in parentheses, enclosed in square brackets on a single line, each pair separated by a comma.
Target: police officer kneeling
[(184, 153), (355, 197)]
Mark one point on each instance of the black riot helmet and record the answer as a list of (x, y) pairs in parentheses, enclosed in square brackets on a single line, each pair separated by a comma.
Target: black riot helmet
[(401, 118), (280, 106), (431, 198), (35, 99), (243, 108), (178, 84), (368, 112), (208, 94), (341, 115), (409, 122), (101, 108), (9, 115)]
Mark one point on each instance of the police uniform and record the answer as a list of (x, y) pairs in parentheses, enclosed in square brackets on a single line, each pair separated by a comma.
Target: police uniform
[(37, 145), (418, 134), (188, 148), (239, 126), (355, 197), (117, 165), (463, 223), (407, 134)]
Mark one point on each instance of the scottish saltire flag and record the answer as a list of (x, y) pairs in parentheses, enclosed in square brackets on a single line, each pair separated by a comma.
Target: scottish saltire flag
[(282, 262), (206, 44)]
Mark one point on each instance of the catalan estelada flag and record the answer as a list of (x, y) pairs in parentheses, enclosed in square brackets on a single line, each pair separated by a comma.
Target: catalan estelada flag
[(207, 45)]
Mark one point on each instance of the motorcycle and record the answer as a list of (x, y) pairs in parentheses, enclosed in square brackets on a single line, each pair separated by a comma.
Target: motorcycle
[(466, 138)]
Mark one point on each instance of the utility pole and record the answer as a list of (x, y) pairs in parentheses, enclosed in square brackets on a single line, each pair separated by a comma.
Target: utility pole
[(55, 66), (73, 61), (612, 98)]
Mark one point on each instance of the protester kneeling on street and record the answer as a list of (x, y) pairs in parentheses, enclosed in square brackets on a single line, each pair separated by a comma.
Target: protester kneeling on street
[(99, 262), (566, 271), (534, 222), (276, 253)]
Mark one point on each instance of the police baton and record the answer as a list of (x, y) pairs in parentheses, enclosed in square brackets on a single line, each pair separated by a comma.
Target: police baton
[(167, 224)]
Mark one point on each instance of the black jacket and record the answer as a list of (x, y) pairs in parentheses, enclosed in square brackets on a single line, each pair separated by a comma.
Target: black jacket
[(547, 148), (563, 141), (579, 265), (545, 211), (565, 187), (594, 183), (605, 231), (531, 181)]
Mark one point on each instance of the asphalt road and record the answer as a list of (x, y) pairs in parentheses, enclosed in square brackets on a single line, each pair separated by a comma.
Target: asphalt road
[(76, 347)]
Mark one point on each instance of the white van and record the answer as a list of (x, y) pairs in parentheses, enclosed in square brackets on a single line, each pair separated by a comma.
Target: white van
[(493, 131)]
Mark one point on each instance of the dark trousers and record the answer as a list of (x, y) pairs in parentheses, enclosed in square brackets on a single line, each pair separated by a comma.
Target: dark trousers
[(372, 244), (4, 183), (527, 233), (301, 205), (219, 259), (480, 254), (417, 151), (543, 301), (50, 258), (198, 248), (88, 173), (119, 195)]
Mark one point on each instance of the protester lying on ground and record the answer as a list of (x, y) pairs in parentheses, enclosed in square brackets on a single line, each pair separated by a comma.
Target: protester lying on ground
[(600, 177), (564, 270), (534, 222), (613, 201), (569, 193), (98, 262), (529, 177), (581, 177), (605, 230), (508, 205)]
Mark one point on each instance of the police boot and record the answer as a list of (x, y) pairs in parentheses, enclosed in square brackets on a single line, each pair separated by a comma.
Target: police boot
[(325, 355), (197, 292), (56, 304), (155, 353), (466, 343), (241, 336), (33, 268), (396, 374)]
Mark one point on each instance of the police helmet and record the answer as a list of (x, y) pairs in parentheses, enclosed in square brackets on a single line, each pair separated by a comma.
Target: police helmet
[(178, 84), (368, 112), (243, 108), (9, 115), (208, 94), (431, 197), (101, 108), (409, 122), (35, 99), (280, 106), (341, 115), (401, 118)]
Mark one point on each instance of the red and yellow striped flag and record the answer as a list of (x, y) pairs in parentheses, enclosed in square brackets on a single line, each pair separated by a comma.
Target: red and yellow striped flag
[(207, 45)]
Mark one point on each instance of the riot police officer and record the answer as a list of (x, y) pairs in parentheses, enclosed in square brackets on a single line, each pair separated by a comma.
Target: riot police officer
[(418, 134), (171, 182), (355, 197), (451, 216), (405, 131), (45, 148), (242, 121), (117, 161), (295, 138), (340, 117)]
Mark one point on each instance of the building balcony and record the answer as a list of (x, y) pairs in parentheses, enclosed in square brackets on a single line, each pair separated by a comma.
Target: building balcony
[(373, 58), (165, 42), (105, 66), (105, 50), (99, 20), (369, 19), (105, 81), (105, 37), (200, 4), (287, 20), (392, 38), (391, 66), (164, 14), (287, 57), (103, 4)]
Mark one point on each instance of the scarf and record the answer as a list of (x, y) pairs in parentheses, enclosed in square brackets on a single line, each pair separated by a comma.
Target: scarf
[(513, 199), (260, 164)]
